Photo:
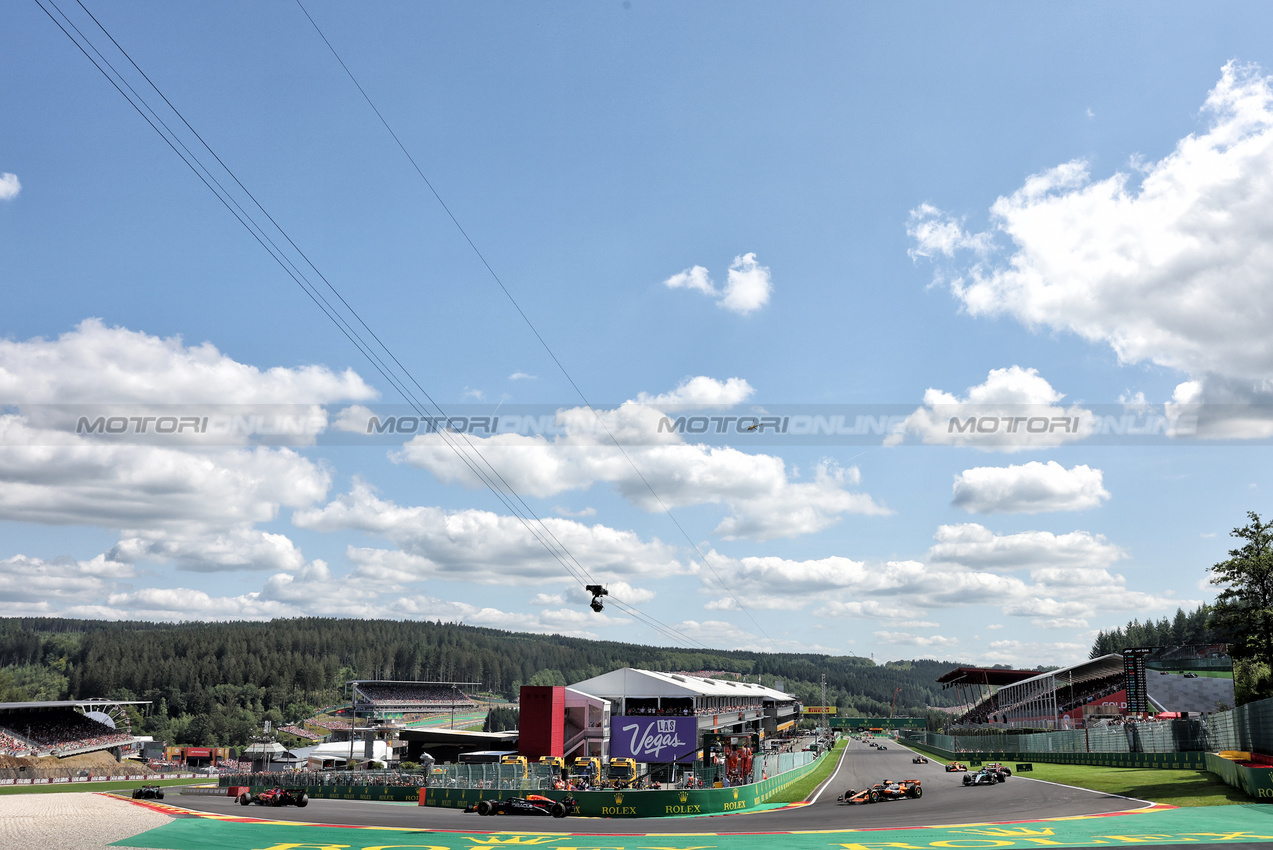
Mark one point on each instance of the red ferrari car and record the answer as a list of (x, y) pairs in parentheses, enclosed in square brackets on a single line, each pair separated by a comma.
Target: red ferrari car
[(276, 797)]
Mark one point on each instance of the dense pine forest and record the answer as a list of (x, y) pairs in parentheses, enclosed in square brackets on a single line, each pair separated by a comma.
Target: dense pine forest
[(215, 683), (1182, 630)]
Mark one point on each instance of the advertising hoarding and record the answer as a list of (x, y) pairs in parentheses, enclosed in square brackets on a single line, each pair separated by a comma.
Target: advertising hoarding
[(654, 739)]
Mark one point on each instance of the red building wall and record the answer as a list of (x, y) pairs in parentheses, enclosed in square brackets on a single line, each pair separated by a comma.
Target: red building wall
[(541, 727)]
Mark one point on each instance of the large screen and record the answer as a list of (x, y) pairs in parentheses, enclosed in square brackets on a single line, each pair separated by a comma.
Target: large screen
[(656, 740)]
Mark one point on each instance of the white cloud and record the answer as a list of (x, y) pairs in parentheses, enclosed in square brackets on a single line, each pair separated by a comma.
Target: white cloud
[(96, 364), (521, 376), (483, 547), (195, 507), (1014, 409), (1029, 488), (1170, 265), (937, 234), (764, 501), (702, 391), (582, 513), (747, 287), (9, 186), (908, 639), (977, 547), (33, 586), (696, 278)]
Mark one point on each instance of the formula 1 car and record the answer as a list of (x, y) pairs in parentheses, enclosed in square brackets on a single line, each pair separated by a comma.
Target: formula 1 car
[(956, 767), (984, 777), (533, 805), (919, 760), (1000, 768), (276, 797), (889, 789), (148, 792)]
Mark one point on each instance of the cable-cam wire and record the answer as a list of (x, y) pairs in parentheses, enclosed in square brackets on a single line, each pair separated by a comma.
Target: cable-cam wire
[(510, 499), (706, 561)]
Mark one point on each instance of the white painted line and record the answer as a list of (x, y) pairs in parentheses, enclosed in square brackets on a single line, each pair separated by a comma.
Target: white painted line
[(843, 755)]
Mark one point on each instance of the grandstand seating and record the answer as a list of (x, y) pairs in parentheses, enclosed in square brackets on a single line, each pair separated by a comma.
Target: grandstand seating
[(392, 695), (55, 732)]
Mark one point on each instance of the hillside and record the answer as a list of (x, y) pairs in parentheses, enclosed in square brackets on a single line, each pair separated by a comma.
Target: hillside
[(214, 683)]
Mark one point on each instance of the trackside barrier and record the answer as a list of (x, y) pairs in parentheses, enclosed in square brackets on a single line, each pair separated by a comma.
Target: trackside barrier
[(1255, 781), (636, 804), (1162, 761)]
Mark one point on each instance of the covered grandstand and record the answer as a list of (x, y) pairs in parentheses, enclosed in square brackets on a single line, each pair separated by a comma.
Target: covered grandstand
[(387, 698), (1060, 699), (978, 687), (66, 727)]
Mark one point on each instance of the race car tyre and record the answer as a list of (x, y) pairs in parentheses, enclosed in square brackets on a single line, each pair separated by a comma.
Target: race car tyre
[(875, 796), (558, 810), (483, 807), (245, 799), (136, 793), (1006, 772), (917, 792), (159, 795), (967, 779), (303, 800)]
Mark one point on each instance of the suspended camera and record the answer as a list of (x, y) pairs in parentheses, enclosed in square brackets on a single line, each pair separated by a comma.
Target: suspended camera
[(597, 592)]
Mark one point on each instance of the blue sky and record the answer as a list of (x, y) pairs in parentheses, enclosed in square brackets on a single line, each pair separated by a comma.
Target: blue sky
[(929, 211)]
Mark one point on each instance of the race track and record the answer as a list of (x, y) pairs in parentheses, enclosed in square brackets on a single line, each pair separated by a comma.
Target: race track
[(945, 801)]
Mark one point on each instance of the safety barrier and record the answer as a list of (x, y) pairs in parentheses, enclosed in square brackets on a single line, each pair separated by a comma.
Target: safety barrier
[(636, 804), (1162, 761), (1257, 781)]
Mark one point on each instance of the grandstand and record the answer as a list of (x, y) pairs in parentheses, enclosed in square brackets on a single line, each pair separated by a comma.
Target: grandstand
[(978, 689), (382, 698), (65, 728)]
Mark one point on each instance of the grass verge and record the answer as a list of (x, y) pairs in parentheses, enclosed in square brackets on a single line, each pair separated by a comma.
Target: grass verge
[(1173, 787), (127, 785), (796, 792)]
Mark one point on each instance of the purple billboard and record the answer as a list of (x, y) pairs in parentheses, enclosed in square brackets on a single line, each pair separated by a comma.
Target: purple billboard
[(654, 739)]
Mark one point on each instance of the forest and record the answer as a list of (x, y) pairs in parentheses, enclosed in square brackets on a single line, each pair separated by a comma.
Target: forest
[(215, 683)]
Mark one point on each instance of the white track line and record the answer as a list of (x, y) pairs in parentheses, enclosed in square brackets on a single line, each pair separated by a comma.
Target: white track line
[(1148, 803), (843, 755)]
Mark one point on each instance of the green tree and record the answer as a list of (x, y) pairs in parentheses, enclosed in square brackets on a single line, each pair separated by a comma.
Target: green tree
[(1244, 608)]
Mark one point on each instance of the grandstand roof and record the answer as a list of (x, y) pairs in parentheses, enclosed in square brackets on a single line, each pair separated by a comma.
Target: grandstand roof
[(630, 682), (410, 682), (1084, 671), (984, 676), (68, 703)]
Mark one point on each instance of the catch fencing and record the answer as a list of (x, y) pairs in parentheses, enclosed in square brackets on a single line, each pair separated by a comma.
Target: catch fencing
[(1247, 728), (500, 777)]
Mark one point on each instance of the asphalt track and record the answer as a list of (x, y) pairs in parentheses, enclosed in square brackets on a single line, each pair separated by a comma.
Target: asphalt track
[(946, 801)]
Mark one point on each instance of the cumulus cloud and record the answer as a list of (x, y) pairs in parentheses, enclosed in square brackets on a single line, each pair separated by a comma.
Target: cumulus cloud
[(1014, 409), (483, 547), (764, 499), (1063, 576), (1029, 488), (908, 639), (747, 287), (938, 234), (34, 586), (977, 547), (1171, 265), (9, 186), (97, 364), (198, 508)]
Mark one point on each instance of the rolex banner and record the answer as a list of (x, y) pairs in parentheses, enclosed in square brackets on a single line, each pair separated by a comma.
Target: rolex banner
[(654, 739)]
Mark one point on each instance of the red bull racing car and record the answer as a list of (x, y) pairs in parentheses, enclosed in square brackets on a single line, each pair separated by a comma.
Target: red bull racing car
[(533, 805)]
